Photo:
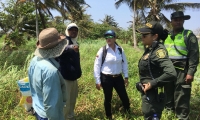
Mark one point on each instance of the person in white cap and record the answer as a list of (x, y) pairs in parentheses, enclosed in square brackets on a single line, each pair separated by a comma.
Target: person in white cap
[(70, 69), (47, 85)]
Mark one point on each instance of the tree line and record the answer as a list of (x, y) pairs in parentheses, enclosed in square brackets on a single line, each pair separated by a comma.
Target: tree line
[(21, 20)]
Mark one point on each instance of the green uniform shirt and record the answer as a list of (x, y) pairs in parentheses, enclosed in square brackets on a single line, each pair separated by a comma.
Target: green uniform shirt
[(161, 66)]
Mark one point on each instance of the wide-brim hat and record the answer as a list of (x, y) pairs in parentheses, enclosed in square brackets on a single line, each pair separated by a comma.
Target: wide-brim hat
[(50, 44), (152, 27), (180, 14)]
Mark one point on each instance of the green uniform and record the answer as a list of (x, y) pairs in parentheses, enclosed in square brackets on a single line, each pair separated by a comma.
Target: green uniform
[(162, 71), (183, 45)]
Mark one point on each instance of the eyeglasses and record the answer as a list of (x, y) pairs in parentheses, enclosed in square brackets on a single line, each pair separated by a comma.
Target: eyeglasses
[(109, 37), (144, 35)]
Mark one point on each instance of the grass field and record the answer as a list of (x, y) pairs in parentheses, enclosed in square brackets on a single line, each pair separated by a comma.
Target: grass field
[(13, 66)]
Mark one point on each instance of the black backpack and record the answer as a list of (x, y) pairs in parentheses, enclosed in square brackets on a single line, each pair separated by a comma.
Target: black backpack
[(105, 53)]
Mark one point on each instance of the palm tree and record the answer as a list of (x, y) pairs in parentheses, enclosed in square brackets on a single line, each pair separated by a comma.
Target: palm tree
[(132, 5), (151, 9), (83, 20), (43, 7), (110, 21), (167, 5)]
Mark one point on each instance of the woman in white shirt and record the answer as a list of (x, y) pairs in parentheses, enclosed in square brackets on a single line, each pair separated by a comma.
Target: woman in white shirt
[(109, 65)]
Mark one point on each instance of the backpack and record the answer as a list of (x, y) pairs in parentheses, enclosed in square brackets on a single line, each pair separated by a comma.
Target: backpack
[(105, 53)]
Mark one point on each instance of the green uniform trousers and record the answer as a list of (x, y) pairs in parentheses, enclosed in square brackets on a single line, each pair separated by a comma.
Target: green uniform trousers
[(178, 95), (151, 105)]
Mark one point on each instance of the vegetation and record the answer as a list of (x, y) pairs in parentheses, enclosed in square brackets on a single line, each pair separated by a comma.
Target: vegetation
[(147, 10), (18, 28), (13, 66)]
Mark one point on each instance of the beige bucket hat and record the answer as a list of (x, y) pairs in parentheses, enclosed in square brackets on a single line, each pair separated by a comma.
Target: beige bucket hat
[(50, 43)]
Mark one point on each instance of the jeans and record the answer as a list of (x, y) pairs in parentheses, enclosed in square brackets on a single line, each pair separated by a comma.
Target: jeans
[(39, 118)]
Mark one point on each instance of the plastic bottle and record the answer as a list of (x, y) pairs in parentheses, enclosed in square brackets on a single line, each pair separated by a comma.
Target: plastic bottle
[(155, 117)]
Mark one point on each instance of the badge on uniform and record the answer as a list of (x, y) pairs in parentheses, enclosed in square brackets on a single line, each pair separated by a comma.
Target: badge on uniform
[(161, 53), (146, 56), (193, 39)]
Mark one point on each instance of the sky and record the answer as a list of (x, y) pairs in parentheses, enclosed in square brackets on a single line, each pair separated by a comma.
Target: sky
[(99, 8), (122, 15)]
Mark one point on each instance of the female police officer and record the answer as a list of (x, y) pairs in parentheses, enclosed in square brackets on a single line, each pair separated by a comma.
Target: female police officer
[(155, 70), (110, 62)]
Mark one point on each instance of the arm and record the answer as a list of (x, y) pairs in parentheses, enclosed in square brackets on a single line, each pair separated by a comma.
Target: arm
[(53, 102), (168, 73), (193, 54), (124, 65), (97, 66)]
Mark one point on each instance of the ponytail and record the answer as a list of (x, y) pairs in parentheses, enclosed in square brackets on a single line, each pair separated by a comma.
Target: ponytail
[(164, 34)]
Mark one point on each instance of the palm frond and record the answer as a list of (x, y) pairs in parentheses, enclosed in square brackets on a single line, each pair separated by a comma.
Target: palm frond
[(165, 21), (119, 2), (181, 6)]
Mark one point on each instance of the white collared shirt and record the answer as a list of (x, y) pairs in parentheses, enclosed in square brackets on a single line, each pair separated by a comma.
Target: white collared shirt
[(112, 65)]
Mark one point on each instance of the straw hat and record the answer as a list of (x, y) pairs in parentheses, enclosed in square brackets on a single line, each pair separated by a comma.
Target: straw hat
[(50, 44)]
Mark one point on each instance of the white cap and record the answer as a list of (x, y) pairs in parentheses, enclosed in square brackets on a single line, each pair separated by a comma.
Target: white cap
[(72, 25)]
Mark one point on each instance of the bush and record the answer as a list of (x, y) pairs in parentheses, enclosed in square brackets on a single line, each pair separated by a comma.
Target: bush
[(90, 101)]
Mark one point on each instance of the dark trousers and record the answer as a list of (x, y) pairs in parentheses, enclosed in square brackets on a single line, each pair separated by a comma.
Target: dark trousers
[(39, 118), (108, 83), (178, 96), (151, 105)]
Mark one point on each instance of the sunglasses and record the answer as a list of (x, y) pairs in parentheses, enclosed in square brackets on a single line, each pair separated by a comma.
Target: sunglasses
[(109, 37), (144, 35)]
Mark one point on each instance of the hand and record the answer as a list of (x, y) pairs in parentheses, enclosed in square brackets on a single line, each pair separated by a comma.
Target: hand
[(98, 86), (76, 48), (147, 87), (189, 78), (126, 82)]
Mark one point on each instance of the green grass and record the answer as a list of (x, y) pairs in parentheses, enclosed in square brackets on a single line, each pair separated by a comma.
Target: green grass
[(2, 41), (13, 66)]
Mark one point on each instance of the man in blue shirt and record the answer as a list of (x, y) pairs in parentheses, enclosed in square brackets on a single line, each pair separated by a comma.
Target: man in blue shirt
[(47, 85)]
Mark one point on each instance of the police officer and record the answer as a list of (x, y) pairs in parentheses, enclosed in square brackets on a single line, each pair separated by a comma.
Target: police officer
[(183, 50), (155, 70), (110, 62)]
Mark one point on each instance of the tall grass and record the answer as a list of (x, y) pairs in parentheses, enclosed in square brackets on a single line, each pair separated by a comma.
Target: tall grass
[(89, 105)]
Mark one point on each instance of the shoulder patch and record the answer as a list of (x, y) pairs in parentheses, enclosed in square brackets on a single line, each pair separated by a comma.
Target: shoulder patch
[(161, 53), (193, 39)]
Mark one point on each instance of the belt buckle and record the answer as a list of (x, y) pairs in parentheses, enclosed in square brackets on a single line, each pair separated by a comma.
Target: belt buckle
[(115, 75)]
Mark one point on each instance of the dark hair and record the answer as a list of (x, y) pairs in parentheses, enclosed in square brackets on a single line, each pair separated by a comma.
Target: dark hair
[(164, 34)]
